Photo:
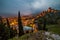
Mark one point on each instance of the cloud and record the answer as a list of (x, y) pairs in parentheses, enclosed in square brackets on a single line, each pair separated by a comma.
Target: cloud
[(38, 4), (31, 7), (28, 6)]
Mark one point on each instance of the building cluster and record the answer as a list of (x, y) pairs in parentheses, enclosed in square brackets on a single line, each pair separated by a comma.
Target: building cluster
[(27, 20)]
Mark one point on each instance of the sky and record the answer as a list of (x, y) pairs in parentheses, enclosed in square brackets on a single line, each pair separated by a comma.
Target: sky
[(26, 7)]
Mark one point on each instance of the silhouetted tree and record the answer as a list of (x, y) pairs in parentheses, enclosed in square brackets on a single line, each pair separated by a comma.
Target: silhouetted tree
[(21, 32), (11, 31), (38, 22), (8, 25), (8, 22), (4, 32), (1, 22), (44, 24)]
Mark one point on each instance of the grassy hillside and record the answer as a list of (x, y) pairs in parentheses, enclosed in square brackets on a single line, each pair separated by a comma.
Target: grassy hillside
[(54, 28), (33, 36)]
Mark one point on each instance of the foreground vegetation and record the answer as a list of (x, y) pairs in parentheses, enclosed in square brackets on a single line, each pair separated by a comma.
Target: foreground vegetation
[(33, 36), (54, 28), (51, 28)]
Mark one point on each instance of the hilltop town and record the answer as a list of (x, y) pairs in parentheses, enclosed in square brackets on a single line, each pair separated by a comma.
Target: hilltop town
[(29, 19)]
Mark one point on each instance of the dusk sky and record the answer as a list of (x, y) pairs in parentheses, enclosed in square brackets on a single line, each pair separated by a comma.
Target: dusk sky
[(26, 7)]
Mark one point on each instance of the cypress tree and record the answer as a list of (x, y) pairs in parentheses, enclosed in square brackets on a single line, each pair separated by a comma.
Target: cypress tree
[(8, 22), (21, 32), (44, 23), (1, 22), (11, 31), (8, 25)]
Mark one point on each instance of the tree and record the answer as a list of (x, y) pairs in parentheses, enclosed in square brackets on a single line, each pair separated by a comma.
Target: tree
[(4, 32), (21, 32), (11, 31), (39, 22), (44, 24)]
